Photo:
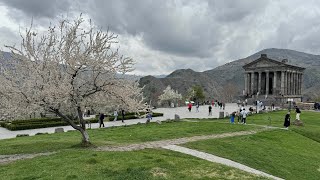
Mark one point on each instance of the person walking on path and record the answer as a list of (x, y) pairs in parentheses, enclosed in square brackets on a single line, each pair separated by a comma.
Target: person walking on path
[(232, 117), (101, 118), (244, 116), (287, 120), (149, 116), (298, 112), (88, 113), (189, 106), (210, 110), (197, 107), (115, 114), (123, 113), (238, 114)]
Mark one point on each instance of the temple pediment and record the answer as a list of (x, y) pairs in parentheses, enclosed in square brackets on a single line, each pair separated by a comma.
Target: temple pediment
[(264, 63)]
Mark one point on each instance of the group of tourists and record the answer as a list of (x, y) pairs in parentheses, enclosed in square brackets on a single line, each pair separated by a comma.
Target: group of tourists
[(244, 103), (115, 114), (214, 103), (241, 114), (287, 117)]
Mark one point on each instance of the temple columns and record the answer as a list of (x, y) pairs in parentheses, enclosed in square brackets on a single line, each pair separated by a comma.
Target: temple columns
[(274, 83), (245, 83), (259, 84), (288, 83), (252, 82), (282, 82), (267, 82)]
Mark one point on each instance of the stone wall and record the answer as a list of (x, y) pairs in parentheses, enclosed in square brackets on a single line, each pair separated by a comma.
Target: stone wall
[(305, 106)]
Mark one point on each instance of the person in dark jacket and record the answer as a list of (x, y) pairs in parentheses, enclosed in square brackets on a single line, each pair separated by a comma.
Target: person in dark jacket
[(101, 118), (287, 120), (122, 113)]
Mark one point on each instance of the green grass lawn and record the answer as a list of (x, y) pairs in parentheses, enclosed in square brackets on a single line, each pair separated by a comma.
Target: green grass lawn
[(140, 165), (293, 154), (115, 136), (311, 120), (282, 153)]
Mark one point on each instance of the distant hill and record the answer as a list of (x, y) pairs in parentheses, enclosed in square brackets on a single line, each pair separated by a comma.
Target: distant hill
[(214, 80)]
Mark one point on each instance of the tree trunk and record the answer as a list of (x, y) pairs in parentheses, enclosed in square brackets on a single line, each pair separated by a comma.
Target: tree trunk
[(85, 137), (80, 116), (82, 130)]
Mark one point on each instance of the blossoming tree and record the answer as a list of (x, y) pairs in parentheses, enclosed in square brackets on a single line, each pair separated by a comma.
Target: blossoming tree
[(69, 67), (169, 95)]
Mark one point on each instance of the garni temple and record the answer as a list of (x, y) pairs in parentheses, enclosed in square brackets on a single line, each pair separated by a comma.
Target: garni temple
[(278, 81)]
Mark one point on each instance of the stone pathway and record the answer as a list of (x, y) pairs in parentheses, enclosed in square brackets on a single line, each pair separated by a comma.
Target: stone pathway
[(216, 159), (159, 144), (4, 159)]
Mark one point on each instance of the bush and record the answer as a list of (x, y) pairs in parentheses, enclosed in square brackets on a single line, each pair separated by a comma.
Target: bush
[(126, 117), (134, 116), (22, 135), (38, 123), (53, 122), (36, 120)]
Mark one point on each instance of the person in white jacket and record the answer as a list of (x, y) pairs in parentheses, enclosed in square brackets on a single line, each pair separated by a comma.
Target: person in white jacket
[(115, 114), (244, 114)]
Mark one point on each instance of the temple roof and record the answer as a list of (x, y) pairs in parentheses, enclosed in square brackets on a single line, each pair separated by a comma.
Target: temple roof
[(266, 63)]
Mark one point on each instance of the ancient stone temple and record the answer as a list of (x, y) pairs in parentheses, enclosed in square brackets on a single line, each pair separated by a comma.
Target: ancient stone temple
[(272, 78)]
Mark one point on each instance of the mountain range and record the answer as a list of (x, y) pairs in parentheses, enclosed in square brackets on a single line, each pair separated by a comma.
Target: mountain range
[(215, 81), (218, 81)]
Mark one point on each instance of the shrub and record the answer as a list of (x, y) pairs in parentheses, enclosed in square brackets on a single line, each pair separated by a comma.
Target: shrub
[(22, 135), (135, 116)]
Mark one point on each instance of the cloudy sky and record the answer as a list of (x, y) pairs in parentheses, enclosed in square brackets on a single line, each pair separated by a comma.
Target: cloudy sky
[(165, 35)]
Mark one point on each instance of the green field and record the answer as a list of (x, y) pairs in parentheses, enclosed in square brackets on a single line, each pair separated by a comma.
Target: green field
[(289, 154), (139, 165), (115, 136)]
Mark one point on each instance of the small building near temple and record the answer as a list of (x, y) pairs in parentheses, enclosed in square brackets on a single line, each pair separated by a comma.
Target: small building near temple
[(274, 79)]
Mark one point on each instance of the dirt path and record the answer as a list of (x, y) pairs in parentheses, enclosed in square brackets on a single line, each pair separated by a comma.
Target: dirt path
[(159, 144), (4, 159)]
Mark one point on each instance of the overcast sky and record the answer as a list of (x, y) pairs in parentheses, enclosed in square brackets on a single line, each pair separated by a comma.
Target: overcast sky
[(165, 35)]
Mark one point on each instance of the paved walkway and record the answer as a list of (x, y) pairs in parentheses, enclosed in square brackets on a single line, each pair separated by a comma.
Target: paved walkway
[(168, 114), (216, 159)]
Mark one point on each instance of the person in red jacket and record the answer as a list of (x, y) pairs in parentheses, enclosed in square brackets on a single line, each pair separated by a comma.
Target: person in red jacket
[(189, 106)]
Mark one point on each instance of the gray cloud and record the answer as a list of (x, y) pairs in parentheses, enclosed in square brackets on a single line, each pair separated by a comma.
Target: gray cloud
[(166, 35), (37, 8), (164, 25), (12, 38)]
